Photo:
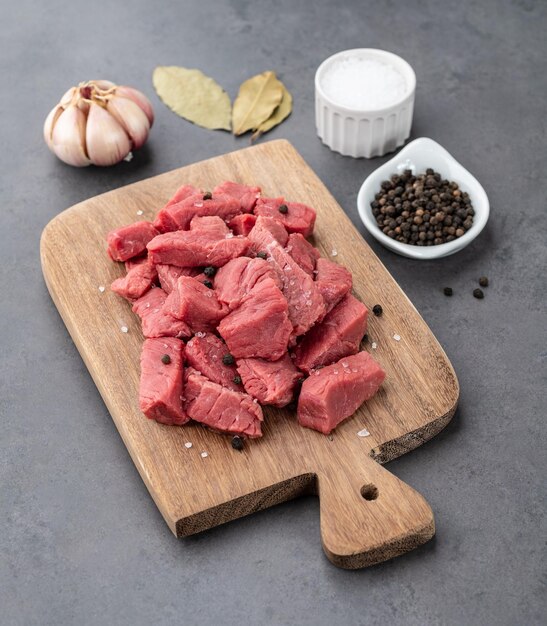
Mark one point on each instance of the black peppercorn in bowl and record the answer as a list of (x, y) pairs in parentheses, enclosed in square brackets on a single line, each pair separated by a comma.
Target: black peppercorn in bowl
[(434, 223)]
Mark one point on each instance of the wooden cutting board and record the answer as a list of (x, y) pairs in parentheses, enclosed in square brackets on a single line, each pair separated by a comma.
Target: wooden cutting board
[(367, 514)]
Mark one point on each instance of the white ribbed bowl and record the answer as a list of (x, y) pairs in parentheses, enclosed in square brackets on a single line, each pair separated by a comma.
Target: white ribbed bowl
[(365, 133), (417, 156)]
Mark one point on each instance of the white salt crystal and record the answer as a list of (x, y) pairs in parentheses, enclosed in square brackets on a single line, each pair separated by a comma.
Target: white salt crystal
[(363, 84), (124, 329), (128, 157), (363, 433), (198, 205), (188, 444), (334, 252), (139, 212), (397, 337), (374, 345), (204, 454), (101, 288), (229, 235)]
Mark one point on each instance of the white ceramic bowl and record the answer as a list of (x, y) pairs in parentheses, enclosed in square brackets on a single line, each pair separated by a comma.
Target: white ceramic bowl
[(370, 133), (418, 156)]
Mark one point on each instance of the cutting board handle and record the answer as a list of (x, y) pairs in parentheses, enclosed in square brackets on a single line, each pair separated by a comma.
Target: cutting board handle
[(369, 515)]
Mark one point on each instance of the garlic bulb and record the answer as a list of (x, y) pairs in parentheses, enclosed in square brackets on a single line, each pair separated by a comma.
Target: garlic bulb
[(98, 122)]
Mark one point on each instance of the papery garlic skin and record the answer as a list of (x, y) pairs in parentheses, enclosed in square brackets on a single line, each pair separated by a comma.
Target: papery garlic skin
[(98, 123)]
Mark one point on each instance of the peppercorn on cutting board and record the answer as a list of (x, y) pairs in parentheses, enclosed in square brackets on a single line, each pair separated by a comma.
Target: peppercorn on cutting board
[(367, 514)]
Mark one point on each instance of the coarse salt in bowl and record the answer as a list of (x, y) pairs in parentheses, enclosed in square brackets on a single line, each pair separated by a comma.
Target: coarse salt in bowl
[(364, 102)]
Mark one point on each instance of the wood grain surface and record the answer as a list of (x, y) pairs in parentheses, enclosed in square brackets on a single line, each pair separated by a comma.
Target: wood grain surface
[(367, 514)]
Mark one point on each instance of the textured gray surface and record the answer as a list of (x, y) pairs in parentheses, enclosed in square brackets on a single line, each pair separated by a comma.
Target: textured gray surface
[(81, 540)]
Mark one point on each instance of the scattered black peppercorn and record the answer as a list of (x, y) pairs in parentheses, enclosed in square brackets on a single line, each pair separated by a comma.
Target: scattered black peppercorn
[(237, 380), (210, 271), (166, 359), (207, 195), (422, 210), (377, 310), (237, 442), (228, 359), (283, 208), (478, 293), (483, 281), (208, 283), (448, 291), (262, 255)]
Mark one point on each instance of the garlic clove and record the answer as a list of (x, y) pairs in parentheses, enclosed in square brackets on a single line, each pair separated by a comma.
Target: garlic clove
[(106, 140), (138, 98), (103, 84), (68, 137), (131, 117), (49, 124), (67, 97)]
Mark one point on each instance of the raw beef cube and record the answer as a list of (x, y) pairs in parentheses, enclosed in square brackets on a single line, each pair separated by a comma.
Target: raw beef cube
[(138, 280), (161, 386), (299, 218), (182, 193), (264, 232), (303, 252), (178, 216), (333, 281), (335, 392), (246, 195), (195, 304), (169, 274), (270, 382), (129, 241), (338, 335), (260, 326), (205, 354), (306, 305), (155, 321), (236, 279), (192, 248), (220, 408), (137, 260), (210, 225), (242, 224)]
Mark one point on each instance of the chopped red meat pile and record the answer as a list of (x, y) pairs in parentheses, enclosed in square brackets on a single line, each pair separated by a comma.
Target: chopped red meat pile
[(265, 318)]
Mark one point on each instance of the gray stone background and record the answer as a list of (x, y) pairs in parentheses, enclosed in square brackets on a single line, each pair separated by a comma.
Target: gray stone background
[(81, 540)]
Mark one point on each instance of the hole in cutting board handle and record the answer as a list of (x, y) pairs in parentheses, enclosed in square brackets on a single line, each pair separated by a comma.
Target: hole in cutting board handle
[(369, 492)]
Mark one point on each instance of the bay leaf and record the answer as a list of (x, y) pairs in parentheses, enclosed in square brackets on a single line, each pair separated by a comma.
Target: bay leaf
[(283, 111), (194, 96), (257, 99)]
